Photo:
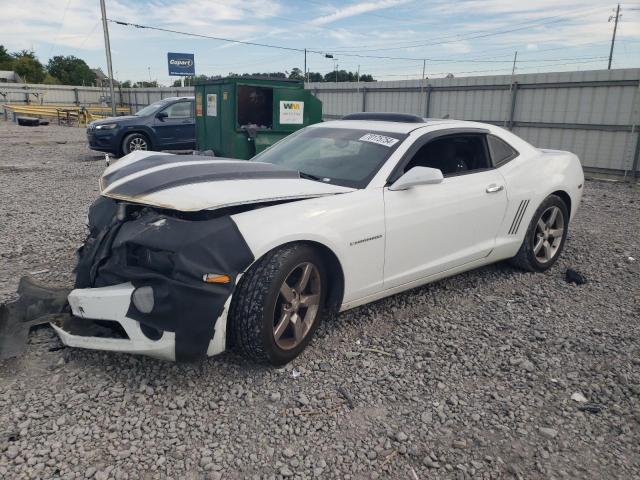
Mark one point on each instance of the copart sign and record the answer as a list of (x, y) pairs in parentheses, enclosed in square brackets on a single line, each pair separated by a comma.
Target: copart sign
[(181, 64)]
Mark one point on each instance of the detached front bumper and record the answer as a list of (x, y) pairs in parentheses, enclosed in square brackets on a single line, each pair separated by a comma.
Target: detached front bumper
[(98, 311)]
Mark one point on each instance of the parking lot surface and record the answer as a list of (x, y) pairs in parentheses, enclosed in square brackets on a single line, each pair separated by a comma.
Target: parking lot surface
[(470, 377)]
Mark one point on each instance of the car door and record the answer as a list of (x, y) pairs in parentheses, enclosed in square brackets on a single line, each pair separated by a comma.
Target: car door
[(175, 125), (434, 228)]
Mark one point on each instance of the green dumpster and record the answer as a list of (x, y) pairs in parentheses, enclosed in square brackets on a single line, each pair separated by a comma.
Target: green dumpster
[(237, 117)]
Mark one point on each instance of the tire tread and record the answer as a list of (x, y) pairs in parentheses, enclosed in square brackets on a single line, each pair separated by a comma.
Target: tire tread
[(246, 310), (523, 259)]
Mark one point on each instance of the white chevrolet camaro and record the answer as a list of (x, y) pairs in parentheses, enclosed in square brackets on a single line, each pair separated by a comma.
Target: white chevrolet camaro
[(189, 255)]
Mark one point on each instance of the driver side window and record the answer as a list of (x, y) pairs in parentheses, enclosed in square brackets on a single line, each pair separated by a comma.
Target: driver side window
[(179, 110), (453, 155)]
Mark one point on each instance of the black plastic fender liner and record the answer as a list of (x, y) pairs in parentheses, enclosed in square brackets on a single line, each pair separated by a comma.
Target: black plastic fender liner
[(171, 255), (36, 304)]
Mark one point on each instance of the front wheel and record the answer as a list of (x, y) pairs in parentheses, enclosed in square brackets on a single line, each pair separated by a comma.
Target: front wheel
[(278, 305), (545, 236), (135, 141)]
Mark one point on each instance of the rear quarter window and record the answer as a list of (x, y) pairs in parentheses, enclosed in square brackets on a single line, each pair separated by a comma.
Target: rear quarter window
[(501, 151)]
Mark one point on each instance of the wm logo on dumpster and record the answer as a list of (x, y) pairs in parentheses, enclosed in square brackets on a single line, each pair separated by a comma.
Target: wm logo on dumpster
[(291, 113)]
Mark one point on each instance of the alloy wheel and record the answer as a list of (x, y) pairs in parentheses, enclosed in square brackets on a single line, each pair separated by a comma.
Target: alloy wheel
[(549, 234), (137, 143), (297, 305)]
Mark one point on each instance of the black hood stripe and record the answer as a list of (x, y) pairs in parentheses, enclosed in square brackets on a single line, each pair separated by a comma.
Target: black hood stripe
[(199, 173), (150, 162)]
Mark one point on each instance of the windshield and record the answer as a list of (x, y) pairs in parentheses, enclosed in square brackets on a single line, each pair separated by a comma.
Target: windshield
[(341, 156), (150, 109)]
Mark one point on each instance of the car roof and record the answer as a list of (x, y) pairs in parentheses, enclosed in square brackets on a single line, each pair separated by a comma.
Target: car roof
[(393, 127), (172, 99)]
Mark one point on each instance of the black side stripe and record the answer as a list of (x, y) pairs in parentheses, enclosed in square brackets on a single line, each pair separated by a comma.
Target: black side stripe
[(515, 225), (513, 222), (199, 173)]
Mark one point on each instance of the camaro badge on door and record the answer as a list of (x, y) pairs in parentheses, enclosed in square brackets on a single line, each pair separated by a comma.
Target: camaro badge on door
[(358, 242)]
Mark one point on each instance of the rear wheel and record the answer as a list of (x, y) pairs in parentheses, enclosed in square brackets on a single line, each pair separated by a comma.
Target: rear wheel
[(278, 305), (545, 236), (135, 141)]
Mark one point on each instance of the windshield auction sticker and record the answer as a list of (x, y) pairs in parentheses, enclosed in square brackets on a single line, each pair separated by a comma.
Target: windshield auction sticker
[(379, 139), (291, 113)]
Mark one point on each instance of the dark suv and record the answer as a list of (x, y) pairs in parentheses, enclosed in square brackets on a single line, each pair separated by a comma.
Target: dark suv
[(165, 125)]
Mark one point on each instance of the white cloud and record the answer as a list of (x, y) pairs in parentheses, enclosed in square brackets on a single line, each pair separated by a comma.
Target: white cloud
[(32, 22), (355, 9)]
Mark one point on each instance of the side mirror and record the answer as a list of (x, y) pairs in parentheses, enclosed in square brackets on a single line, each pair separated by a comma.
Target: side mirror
[(161, 116), (417, 176)]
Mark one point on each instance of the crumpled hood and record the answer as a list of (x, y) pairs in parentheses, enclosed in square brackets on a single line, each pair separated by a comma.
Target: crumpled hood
[(194, 183)]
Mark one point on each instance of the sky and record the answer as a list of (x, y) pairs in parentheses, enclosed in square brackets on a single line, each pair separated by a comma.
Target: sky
[(463, 37)]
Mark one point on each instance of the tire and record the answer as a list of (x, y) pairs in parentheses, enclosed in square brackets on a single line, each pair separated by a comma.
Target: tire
[(534, 256), (134, 140), (258, 307)]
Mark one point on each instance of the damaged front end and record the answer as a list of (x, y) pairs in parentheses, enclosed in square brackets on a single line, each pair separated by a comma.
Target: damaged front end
[(162, 276), (148, 281)]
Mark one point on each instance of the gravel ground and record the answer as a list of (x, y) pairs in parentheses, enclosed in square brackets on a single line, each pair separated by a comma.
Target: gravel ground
[(471, 377)]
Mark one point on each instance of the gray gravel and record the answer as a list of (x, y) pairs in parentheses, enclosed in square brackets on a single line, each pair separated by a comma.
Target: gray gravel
[(471, 377)]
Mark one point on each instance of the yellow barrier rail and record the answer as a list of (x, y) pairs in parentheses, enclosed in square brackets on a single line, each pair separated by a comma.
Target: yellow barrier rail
[(64, 113)]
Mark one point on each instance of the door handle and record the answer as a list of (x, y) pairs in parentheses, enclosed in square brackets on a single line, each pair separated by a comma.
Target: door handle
[(494, 188)]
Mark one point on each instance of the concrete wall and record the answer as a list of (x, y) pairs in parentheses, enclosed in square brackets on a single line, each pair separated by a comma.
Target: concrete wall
[(595, 114)]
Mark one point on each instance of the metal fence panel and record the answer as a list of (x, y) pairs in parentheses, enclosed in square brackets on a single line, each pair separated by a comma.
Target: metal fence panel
[(595, 114)]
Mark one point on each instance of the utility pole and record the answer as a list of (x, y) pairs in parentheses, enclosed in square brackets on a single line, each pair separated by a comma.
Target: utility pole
[(358, 79), (107, 46), (336, 73), (513, 73), (424, 66), (613, 39), (305, 66)]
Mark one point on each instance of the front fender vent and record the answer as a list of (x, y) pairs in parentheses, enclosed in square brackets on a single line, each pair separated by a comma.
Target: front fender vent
[(515, 224)]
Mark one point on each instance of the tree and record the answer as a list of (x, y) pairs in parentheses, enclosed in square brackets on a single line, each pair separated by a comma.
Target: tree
[(296, 74), (50, 80), (340, 76), (315, 77), (28, 66), (6, 60), (177, 83), (126, 84), (71, 70), (145, 84)]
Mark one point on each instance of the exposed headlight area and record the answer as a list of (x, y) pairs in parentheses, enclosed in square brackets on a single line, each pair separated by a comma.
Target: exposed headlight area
[(155, 260), (106, 126)]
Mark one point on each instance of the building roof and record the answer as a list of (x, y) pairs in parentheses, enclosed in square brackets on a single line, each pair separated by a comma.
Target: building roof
[(9, 76)]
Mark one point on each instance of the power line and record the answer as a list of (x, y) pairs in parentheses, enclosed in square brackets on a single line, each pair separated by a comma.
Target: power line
[(319, 52), (211, 37), (506, 69), (64, 16), (481, 33)]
